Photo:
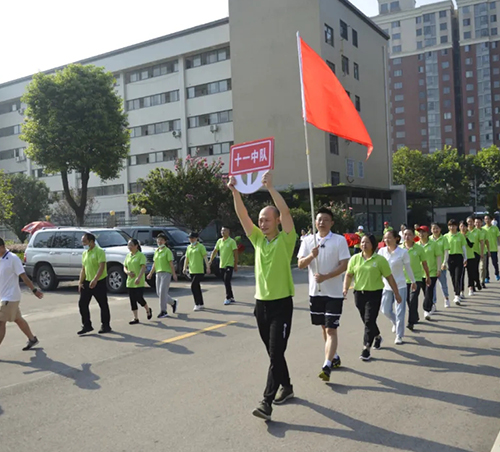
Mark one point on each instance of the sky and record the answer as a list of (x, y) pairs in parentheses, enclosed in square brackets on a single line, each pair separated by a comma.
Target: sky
[(39, 35)]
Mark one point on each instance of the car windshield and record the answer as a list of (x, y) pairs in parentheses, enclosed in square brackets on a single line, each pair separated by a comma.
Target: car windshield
[(179, 236), (108, 239)]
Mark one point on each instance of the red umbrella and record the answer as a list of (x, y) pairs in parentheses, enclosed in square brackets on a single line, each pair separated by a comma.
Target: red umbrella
[(36, 225)]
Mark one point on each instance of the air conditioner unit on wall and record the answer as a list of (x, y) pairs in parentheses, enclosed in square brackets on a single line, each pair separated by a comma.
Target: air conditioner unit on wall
[(214, 128), (176, 133)]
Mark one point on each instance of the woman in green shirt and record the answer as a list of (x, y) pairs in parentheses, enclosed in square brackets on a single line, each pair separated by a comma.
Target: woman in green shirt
[(470, 238), (196, 255), (368, 270), (457, 258), (135, 269)]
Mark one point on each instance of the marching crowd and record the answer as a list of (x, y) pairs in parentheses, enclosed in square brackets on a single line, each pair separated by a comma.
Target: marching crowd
[(387, 279)]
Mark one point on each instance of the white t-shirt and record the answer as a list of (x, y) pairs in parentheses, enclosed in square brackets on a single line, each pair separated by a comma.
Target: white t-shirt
[(10, 269), (333, 249), (399, 260)]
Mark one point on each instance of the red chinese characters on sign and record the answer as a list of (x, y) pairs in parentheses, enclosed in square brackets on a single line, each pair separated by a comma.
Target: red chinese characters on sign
[(252, 157)]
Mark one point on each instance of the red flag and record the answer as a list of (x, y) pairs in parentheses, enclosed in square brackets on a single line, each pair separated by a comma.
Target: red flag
[(325, 103)]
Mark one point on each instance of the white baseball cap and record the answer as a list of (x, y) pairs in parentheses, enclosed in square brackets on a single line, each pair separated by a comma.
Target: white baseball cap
[(361, 227)]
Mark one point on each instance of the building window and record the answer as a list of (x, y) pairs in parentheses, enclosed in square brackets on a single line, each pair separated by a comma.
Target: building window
[(396, 24), (448, 129), (361, 170), (467, 48), (420, 45), (445, 64), (446, 78), (345, 65), (494, 31), (399, 110), (428, 17), (135, 187), (354, 38), (446, 90), (420, 69), (154, 129), (496, 71), (469, 87), (470, 100), (398, 85), (398, 73), (210, 119), (396, 49), (152, 101), (443, 26), (472, 138), (467, 35), (10, 106), (344, 30), (206, 150), (153, 157), (496, 57), (202, 59), (442, 14), (421, 95), (469, 74), (396, 36), (396, 61), (12, 130), (335, 178), (423, 132), (423, 119), (400, 122), (447, 115), (471, 125), (334, 144), (470, 113), (399, 98), (357, 102), (468, 61), (209, 88), (419, 32), (493, 18), (329, 35), (418, 19), (331, 66), (356, 71), (496, 84), (152, 71), (400, 134), (350, 167), (422, 107), (421, 82), (106, 190), (447, 103), (466, 22), (444, 39)]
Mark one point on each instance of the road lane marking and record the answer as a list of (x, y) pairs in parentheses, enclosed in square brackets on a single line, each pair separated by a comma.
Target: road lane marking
[(195, 333)]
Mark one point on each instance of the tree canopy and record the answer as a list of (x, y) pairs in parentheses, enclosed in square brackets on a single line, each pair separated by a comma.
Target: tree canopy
[(75, 123), (5, 198)]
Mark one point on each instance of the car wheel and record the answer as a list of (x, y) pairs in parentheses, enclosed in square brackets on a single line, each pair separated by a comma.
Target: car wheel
[(116, 280), (46, 278)]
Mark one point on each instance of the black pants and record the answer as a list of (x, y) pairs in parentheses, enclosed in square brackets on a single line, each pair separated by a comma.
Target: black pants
[(456, 267), (227, 275), (494, 260), (412, 301), (429, 294), (472, 272), (274, 320), (196, 279), (478, 276), (100, 293), (136, 295), (368, 304)]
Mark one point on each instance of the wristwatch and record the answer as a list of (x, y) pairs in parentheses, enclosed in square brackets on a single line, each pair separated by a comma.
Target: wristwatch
[(35, 290)]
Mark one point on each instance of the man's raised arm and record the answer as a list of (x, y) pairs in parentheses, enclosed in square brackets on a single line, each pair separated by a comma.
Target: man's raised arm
[(279, 202), (240, 208)]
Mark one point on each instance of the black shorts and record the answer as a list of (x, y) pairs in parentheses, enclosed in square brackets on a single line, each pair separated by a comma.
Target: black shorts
[(326, 311)]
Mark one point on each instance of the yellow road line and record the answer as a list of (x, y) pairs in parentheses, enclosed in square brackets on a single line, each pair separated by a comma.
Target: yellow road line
[(195, 333)]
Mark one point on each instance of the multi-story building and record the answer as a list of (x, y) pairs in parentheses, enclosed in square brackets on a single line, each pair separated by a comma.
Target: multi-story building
[(201, 90), (443, 68)]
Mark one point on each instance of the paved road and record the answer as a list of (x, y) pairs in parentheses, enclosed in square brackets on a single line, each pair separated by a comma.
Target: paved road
[(162, 386)]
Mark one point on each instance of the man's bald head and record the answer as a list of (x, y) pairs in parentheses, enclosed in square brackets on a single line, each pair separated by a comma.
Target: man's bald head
[(270, 209), (269, 220)]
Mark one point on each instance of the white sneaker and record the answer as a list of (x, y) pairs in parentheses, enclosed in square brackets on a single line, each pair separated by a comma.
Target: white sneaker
[(447, 303), (434, 309), (471, 293), (398, 340), (197, 308), (427, 315), (456, 300), (462, 295), (393, 328), (226, 302)]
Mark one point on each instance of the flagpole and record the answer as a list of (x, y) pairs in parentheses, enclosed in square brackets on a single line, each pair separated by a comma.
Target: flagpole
[(309, 176)]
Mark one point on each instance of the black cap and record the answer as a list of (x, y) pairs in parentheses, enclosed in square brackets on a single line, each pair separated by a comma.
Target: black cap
[(193, 235)]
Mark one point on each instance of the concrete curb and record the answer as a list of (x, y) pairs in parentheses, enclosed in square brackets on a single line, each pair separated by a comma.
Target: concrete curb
[(496, 446)]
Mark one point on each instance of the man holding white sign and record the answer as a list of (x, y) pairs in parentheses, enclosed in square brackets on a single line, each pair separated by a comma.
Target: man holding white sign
[(274, 287)]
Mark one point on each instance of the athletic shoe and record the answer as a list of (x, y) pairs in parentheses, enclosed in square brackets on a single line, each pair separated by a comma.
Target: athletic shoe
[(456, 300), (232, 300), (471, 293), (378, 343), (479, 288), (197, 308), (105, 329), (174, 306), (134, 322), (162, 315), (325, 373), (487, 280), (263, 411), (484, 286), (433, 309), (85, 330), (226, 302), (393, 328), (336, 362), (284, 394), (365, 355), (150, 314), (427, 315), (201, 307), (410, 327), (462, 295), (447, 303), (398, 340), (30, 344), (497, 277)]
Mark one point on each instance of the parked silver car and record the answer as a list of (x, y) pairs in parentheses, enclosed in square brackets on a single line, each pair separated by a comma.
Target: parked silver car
[(55, 254)]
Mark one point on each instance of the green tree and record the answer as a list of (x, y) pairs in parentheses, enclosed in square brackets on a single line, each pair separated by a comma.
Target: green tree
[(5, 198), (485, 173), (62, 214), (193, 195), (30, 202), (75, 122)]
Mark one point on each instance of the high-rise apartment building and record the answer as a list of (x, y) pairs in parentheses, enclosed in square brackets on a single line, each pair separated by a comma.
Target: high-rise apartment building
[(442, 66)]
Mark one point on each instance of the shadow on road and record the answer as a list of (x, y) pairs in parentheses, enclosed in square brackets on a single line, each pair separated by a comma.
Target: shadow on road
[(84, 378), (359, 431)]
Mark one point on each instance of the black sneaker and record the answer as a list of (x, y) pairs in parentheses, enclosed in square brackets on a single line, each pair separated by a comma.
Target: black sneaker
[(410, 327), (325, 373), (336, 362), (150, 314), (484, 286), (30, 344), (134, 322), (85, 330), (284, 394), (263, 411), (105, 329), (365, 355), (174, 306), (378, 343), (479, 288)]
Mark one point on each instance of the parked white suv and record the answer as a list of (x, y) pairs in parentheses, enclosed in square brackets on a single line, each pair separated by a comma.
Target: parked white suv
[(55, 254)]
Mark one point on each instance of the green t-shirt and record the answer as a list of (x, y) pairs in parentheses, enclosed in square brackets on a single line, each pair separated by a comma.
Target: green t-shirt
[(473, 236), (195, 254), (361, 235), (91, 259), (432, 251), (226, 249), (273, 272), (456, 242), (134, 262), (162, 258), (481, 233), (417, 256), (441, 243), (368, 273), (492, 234)]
